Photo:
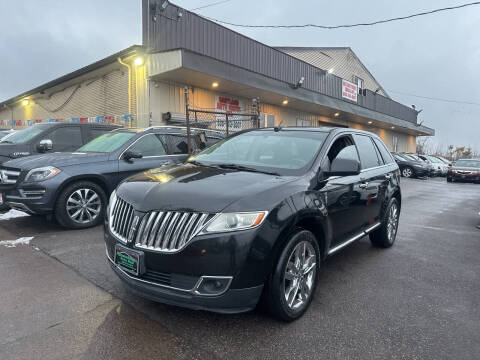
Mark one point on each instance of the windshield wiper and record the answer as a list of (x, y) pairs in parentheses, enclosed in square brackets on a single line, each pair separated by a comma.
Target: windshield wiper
[(246, 168)]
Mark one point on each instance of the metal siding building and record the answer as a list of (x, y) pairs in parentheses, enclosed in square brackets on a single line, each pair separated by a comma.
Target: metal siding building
[(192, 51)]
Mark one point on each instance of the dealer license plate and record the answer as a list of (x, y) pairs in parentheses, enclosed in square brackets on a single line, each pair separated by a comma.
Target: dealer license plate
[(129, 260)]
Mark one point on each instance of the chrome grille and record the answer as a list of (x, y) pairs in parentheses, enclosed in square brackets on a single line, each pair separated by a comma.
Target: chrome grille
[(169, 231), (122, 219), (9, 176)]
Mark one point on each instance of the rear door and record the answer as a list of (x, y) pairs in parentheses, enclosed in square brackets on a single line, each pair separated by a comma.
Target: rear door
[(372, 179), (154, 154)]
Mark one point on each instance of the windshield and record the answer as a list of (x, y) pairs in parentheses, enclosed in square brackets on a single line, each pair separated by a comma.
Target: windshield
[(107, 142), (434, 159), (468, 163), (412, 157), (285, 152), (25, 135), (3, 134)]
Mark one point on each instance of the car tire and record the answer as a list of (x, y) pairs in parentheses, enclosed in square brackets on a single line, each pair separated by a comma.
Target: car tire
[(292, 283), (385, 235), (86, 202), (449, 179), (407, 172)]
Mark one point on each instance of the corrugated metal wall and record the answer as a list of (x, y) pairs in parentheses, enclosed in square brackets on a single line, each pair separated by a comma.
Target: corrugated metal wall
[(205, 37), (341, 61), (104, 95)]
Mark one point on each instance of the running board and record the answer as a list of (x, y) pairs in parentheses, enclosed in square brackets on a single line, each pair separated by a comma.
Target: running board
[(356, 237)]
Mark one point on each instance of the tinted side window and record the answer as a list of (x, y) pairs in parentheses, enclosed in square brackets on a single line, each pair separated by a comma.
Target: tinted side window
[(66, 138), (368, 153), (387, 157), (177, 144), (149, 145), (343, 148)]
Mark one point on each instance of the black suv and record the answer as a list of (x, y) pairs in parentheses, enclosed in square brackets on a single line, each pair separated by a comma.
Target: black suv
[(254, 214), (76, 185), (40, 138)]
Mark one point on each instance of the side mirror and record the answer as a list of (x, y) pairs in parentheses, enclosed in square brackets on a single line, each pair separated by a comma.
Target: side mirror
[(131, 154), (344, 167), (45, 145)]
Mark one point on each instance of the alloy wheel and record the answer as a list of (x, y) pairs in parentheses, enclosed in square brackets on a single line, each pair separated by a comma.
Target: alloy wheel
[(392, 222), (407, 172), (83, 205), (299, 275)]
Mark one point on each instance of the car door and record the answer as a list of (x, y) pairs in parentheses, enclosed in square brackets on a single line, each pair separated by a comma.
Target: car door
[(342, 195), (372, 177), (153, 151)]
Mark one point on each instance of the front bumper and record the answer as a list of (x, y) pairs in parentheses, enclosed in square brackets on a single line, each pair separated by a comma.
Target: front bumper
[(230, 302), (33, 199), (172, 278), (475, 177)]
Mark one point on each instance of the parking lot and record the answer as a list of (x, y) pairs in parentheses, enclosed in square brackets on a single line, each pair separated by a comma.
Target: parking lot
[(417, 300)]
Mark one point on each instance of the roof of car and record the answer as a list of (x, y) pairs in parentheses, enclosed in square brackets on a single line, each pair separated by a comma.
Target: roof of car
[(170, 129), (77, 124)]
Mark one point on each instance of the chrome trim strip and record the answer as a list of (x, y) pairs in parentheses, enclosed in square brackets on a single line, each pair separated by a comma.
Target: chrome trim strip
[(153, 232), (351, 240), (199, 282), (191, 291), (374, 226)]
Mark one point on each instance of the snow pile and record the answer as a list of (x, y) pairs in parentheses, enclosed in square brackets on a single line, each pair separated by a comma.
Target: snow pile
[(14, 243), (12, 214)]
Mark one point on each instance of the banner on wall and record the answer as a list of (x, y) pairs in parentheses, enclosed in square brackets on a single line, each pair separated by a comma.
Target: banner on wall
[(230, 105), (349, 90)]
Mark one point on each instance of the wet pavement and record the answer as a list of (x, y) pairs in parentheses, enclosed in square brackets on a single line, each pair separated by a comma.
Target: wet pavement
[(418, 300)]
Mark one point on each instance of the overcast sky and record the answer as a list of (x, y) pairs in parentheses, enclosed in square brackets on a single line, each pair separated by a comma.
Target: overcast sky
[(436, 55)]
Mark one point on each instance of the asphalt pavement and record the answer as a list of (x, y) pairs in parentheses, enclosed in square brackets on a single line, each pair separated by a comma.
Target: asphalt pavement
[(418, 300)]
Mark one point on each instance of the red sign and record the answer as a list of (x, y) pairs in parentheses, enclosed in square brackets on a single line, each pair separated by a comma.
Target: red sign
[(349, 90), (227, 104)]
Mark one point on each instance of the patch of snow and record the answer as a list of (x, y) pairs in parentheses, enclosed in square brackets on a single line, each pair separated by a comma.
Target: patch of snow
[(14, 243), (12, 214)]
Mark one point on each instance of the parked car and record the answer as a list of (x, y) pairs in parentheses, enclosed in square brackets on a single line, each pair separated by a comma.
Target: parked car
[(75, 186), (5, 132), (40, 138), (446, 161), (464, 170), (410, 167), (431, 169), (255, 213), (440, 168)]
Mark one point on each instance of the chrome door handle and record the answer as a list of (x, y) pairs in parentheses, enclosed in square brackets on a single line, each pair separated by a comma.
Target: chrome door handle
[(363, 185)]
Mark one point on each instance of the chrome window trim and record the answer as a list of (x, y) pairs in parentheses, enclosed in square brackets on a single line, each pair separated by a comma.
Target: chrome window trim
[(192, 291)]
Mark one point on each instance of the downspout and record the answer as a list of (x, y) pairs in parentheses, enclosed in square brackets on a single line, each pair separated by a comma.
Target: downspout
[(129, 83)]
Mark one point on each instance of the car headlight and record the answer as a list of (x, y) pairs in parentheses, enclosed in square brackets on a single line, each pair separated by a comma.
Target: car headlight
[(111, 203), (41, 174), (234, 222)]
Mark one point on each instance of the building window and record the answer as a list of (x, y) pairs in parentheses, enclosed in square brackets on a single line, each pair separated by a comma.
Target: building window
[(270, 120), (359, 82)]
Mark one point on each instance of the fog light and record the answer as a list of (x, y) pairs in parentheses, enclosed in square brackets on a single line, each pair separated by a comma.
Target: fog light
[(212, 285)]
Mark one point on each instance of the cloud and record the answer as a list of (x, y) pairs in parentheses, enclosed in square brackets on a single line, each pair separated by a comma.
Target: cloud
[(437, 55)]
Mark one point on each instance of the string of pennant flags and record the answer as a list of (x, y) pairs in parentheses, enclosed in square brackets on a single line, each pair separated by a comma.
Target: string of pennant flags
[(124, 119)]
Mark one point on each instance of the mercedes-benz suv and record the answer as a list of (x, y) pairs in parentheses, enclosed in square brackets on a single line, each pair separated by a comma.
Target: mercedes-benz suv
[(252, 217)]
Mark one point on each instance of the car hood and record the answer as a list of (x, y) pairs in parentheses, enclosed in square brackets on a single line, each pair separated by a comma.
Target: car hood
[(465, 168), (201, 189), (59, 160), (12, 151)]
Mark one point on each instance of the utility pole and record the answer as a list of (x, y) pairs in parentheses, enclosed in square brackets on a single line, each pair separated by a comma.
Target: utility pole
[(187, 115)]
